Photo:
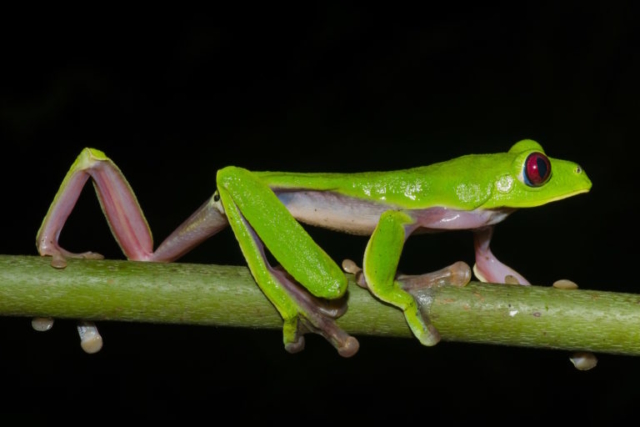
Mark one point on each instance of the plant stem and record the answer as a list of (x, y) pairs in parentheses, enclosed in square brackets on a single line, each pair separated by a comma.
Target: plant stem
[(531, 316)]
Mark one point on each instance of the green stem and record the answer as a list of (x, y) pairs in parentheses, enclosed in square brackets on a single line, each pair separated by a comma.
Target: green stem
[(530, 316)]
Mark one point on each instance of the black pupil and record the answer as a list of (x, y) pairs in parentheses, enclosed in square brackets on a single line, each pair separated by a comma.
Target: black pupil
[(542, 167)]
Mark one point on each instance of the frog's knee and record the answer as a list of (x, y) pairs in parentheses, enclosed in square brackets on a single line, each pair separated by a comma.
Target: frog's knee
[(229, 174), (88, 158)]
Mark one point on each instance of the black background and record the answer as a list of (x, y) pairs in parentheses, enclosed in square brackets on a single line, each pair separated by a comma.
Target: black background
[(174, 95)]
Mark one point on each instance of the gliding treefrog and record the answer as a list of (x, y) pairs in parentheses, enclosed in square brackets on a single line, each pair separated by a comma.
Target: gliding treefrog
[(472, 192)]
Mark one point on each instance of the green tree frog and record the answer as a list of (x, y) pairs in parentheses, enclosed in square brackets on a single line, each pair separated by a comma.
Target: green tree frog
[(264, 210)]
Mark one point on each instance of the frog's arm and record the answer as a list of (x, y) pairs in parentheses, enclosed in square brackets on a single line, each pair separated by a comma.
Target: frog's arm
[(256, 216), (380, 264), (383, 254)]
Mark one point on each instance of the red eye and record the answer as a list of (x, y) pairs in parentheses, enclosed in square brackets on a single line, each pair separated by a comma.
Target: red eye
[(537, 170)]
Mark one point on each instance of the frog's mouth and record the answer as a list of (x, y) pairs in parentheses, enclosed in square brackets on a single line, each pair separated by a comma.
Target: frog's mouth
[(563, 196)]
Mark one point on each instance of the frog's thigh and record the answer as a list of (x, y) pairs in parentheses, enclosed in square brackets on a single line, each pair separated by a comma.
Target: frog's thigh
[(257, 217), (285, 238), (263, 273), (380, 264)]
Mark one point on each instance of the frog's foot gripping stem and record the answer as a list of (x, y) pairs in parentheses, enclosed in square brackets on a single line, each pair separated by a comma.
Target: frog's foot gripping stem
[(118, 203), (127, 223), (380, 273), (313, 315), (457, 274), (301, 289), (123, 213), (60, 256)]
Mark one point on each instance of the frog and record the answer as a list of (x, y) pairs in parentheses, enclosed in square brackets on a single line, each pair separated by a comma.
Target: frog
[(266, 212)]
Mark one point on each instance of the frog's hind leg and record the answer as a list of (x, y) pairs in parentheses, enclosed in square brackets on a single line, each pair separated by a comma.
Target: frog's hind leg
[(123, 213), (259, 219), (127, 223)]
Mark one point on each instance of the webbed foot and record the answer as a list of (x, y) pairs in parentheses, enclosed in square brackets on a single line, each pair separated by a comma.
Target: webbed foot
[(315, 315), (457, 274), (59, 256)]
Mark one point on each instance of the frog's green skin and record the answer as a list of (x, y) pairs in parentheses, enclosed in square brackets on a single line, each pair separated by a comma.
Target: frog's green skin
[(263, 208)]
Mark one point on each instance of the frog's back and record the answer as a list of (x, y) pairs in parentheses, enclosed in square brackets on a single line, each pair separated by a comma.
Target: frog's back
[(387, 187), (323, 181), (416, 188)]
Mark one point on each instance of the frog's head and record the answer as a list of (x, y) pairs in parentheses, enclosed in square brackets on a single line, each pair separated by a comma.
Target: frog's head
[(530, 178)]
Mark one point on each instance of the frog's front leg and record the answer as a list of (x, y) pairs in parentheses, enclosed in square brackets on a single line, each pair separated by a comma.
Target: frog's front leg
[(488, 268), (258, 218), (380, 265)]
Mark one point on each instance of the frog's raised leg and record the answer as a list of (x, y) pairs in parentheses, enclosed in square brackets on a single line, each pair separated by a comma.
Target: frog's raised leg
[(488, 268), (123, 213), (258, 217), (126, 220), (381, 260)]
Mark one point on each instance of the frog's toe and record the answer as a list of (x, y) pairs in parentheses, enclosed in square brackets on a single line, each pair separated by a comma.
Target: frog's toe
[(349, 348), (295, 346), (90, 338), (478, 274), (584, 360), (351, 267), (421, 326), (510, 279), (565, 284), (346, 345), (60, 256), (315, 321), (58, 261), (83, 255), (310, 314), (432, 337), (42, 324)]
